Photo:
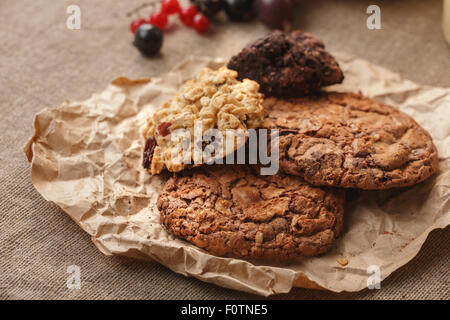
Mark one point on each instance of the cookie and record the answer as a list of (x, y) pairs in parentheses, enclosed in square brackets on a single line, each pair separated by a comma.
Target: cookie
[(350, 141), (231, 210), (215, 99), (287, 65)]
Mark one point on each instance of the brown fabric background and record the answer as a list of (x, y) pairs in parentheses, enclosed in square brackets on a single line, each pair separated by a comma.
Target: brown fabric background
[(42, 63)]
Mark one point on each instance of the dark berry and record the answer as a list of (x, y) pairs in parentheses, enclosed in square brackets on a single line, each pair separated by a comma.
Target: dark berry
[(170, 6), (148, 39), (159, 19), (135, 24), (274, 13), (149, 148), (201, 23), (187, 15), (209, 7), (239, 10)]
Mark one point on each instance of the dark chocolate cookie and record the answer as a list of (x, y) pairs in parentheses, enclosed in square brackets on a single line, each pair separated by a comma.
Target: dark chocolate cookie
[(350, 141), (290, 65), (231, 210)]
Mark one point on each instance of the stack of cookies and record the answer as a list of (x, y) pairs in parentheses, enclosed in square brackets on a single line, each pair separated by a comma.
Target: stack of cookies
[(327, 142)]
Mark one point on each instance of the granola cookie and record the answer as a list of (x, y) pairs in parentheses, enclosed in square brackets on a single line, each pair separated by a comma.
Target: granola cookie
[(231, 210), (215, 99), (287, 65), (350, 141)]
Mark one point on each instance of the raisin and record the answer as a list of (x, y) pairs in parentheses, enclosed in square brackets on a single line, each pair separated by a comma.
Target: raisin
[(163, 128), (150, 145)]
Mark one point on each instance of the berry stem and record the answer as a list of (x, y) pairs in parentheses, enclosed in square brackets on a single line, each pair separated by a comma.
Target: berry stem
[(136, 10)]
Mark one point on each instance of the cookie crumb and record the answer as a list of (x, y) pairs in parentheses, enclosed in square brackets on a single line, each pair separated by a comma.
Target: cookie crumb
[(342, 261)]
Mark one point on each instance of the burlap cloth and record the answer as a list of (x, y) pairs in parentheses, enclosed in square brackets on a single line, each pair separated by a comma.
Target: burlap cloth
[(42, 63)]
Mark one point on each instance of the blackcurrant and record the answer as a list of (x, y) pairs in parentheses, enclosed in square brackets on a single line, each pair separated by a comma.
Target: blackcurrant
[(208, 7), (148, 39), (239, 10)]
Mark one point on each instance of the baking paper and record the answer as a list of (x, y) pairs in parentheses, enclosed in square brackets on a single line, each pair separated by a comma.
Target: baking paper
[(86, 158)]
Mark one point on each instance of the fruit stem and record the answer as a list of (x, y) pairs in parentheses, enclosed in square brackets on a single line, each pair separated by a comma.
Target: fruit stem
[(136, 10)]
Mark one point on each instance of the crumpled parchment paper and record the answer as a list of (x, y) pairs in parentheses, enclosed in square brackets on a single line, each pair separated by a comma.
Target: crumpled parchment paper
[(86, 157)]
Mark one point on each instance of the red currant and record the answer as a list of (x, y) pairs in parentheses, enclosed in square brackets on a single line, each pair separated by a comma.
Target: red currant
[(201, 23), (159, 19), (187, 15), (170, 6), (135, 24)]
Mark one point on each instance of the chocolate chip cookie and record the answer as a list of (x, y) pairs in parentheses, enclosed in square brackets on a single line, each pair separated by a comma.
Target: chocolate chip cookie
[(231, 210), (287, 65), (350, 141)]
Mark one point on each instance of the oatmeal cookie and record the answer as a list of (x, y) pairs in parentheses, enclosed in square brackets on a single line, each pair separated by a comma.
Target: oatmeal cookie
[(215, 100), (351, 141), (231, 210), (287, 65)]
